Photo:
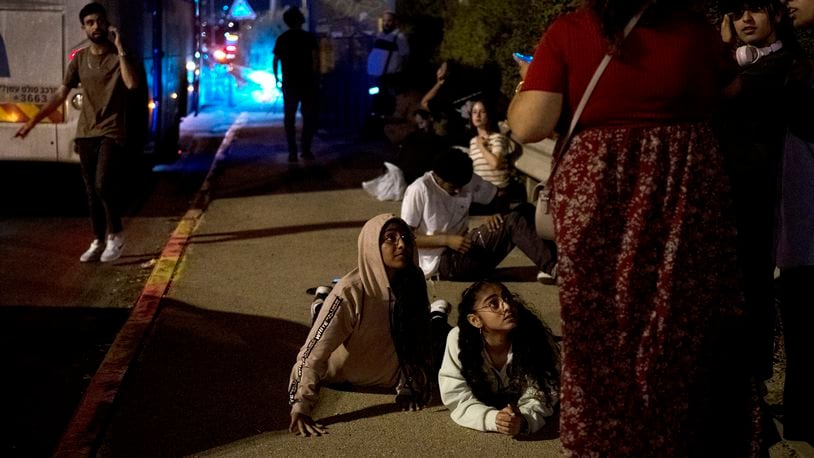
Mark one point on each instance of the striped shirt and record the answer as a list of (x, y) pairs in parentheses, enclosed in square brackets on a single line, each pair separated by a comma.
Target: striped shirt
[(499, 146)]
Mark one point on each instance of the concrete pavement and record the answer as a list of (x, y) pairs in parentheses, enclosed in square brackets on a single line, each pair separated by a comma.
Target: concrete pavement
[(212, 376)]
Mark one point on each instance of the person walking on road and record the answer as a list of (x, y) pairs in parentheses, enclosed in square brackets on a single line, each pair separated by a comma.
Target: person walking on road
[(373, 329), (298, 52), (106, 74), (649, 284)]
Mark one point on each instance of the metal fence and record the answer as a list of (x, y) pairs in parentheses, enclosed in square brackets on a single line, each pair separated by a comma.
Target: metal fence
[(344, 98)]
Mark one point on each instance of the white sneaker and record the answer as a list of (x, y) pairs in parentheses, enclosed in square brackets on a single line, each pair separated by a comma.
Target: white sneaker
[(113, 248), (93, 252), (441, 307), (319, 297), (548, 278)]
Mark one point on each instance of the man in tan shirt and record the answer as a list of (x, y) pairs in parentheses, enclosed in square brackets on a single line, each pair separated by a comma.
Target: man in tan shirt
[(106, 74)]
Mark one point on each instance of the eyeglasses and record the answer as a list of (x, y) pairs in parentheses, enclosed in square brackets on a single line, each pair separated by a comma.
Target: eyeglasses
[(495, 304), (392, 238)]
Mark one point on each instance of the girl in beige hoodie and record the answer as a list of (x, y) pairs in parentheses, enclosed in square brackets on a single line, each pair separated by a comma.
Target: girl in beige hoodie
[(373, 329)]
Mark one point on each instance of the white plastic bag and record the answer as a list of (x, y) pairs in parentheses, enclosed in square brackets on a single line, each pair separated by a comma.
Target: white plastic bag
[(389, 186)]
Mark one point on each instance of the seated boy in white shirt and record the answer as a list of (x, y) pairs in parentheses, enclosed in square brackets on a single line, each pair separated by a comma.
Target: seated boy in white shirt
[(436, 207)]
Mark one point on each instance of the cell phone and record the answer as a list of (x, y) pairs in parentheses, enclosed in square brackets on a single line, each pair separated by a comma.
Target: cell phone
[(524, 57)]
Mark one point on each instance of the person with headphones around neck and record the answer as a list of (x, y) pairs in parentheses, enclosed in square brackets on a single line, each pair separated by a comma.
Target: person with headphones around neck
[(795, 240), (751, 127)]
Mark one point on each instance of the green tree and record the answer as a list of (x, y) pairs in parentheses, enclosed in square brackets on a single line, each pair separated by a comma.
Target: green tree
[(484, 33), (481, 33)]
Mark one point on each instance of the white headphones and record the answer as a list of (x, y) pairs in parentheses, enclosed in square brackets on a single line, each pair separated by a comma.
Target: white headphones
[(748, 54)]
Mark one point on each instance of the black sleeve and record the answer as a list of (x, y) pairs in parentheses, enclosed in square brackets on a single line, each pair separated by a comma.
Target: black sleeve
[(799, 100)]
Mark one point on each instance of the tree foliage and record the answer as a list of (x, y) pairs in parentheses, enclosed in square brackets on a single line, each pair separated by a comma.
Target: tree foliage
[(481, 33), (485, 33)]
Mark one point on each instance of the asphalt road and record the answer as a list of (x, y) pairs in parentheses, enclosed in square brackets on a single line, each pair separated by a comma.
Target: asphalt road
[(57, 316)]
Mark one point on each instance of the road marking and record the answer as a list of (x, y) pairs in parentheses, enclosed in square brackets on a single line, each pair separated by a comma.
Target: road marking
[(83, 433)]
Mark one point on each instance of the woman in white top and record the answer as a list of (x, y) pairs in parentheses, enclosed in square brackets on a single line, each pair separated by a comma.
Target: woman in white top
[(501, 365), (489, 149)]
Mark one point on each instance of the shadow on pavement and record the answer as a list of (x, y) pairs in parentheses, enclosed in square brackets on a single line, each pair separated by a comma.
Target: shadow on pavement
[(42, 189), (49, 355), (516, 274), (205, 379), (371, 411), (45, 189), (259, 169), (203, 238)]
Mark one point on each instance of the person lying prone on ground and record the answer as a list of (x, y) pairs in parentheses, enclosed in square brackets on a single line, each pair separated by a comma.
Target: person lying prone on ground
[(501, 366), (373, 329)]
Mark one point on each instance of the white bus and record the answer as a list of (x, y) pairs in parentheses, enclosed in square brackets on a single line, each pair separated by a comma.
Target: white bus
[(39, 37)]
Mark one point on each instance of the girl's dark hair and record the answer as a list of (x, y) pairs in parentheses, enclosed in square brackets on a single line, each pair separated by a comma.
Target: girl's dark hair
[(536, 356), (738, 6), (615, 14), (410, 324)]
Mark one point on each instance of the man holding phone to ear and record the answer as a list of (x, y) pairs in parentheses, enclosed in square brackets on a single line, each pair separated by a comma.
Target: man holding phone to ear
[(106, 74)]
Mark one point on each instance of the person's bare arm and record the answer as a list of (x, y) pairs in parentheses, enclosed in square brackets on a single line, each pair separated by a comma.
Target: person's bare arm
[(440, 77), (55, 102), (493, 152), (129, 74), (533, 115), (275, 65), (458, 243)]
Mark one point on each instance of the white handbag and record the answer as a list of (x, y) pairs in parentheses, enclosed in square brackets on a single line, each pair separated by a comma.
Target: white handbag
[(543, 220)]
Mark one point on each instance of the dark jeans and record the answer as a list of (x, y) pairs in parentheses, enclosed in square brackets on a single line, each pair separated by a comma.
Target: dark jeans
[(304, 97), (797, 310), (489, 248), (101, 160), (439, 328), (752, 168)]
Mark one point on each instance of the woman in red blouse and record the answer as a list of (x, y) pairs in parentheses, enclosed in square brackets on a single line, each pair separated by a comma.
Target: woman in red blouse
[(648, 279)]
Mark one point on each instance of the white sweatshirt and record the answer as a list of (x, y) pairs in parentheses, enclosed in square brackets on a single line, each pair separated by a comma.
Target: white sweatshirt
[(468, 411)]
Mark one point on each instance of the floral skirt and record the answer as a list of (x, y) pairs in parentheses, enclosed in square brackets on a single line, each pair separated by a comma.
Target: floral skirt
[(649, 290)]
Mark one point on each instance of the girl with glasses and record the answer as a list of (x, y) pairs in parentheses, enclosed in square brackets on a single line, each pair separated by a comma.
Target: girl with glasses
[(500, 371), (381, 305)]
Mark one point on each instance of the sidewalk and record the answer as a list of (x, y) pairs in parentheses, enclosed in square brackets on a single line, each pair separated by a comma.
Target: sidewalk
[(212, 376)]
